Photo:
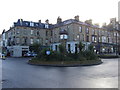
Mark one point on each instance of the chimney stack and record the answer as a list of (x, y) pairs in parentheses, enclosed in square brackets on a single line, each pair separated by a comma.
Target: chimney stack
[(97, 24), (89, 21), (39, 21), (59, 20), (47, 21), (104, 25), (77, 17)]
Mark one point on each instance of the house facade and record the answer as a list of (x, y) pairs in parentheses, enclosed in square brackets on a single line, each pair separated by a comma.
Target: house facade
[(24, 33), (105, 39)]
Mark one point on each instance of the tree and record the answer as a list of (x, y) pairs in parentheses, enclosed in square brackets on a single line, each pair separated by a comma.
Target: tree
[(81, 46), (35, 48), (62, 49), (90, 48)]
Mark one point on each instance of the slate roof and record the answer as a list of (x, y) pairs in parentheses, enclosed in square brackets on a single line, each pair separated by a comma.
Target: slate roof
[(69, 21), (42, 25), (27, 24)]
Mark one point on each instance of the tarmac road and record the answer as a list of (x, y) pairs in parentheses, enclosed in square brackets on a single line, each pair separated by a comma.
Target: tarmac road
[(16, 73)]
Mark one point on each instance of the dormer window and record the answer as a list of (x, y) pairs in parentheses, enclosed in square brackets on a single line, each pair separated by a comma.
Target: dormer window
[(21, 21), (26, 23), (46, 26), (36, 24), (31, 24)]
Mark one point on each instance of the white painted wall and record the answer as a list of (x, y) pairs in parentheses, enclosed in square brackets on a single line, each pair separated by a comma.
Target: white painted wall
[(72, 45), (53, 46), (17, 50)]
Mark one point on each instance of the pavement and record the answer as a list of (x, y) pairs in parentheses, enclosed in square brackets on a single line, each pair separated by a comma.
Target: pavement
[(16, 73)]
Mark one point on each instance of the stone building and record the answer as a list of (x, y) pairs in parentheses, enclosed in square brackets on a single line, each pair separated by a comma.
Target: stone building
[(105, 39), (3, 43), (25, 33)]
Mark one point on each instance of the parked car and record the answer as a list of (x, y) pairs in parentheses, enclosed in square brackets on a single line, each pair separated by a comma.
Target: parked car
[(2, 56), (30, 54), (34, 54)]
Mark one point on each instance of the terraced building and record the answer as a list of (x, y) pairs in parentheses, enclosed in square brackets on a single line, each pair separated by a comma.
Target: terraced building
[(106, 39)]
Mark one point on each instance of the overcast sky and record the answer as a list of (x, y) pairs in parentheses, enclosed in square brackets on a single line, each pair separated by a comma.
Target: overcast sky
[(99, 11)]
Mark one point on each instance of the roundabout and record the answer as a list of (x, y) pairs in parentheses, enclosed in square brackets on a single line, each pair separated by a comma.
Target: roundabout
[(65, 63)]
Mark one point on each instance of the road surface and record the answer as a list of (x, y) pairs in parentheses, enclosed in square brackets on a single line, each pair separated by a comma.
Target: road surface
[(16, 73)]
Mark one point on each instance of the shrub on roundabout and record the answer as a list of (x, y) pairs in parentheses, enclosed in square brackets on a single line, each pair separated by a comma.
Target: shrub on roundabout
[(62, 56)]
